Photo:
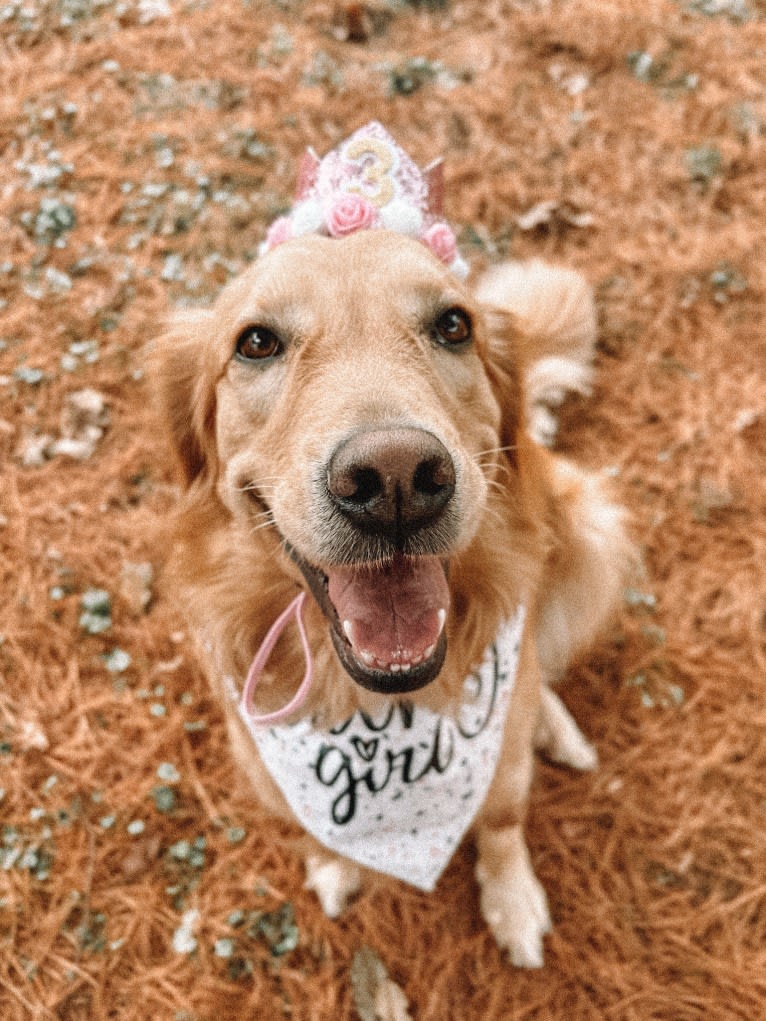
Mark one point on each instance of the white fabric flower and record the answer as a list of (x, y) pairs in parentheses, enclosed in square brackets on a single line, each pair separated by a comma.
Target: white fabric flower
[(307, 218), (460, 267), (402, 217)]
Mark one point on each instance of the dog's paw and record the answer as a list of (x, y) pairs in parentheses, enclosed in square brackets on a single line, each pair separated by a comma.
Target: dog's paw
[(549, 381), (559, 737), (543, 425), (334, 881), (515, 908), (575, 752)]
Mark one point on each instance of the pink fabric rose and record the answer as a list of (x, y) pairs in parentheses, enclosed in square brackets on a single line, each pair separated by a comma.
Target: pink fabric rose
[(441, 240), (280, 231), (349, 213)]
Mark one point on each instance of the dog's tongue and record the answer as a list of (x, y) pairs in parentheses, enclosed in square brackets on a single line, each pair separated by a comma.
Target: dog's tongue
[(392, 615)]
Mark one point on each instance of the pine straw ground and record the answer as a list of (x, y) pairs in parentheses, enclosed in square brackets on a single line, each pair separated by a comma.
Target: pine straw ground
[(145, 146)]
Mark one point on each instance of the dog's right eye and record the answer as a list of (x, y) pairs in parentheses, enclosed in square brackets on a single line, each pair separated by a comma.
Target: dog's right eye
[(256, 343), (453, 328)]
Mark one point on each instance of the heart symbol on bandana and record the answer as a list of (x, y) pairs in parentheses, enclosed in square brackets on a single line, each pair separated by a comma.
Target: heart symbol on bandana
[(365, 749)]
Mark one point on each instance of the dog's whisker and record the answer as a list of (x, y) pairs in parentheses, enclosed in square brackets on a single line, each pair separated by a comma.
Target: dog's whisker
[(496, 484), (263, 517), (500, 467), (259, 528), (264, 485), (495, 514), (495, 450), (487, 466), (490, 460)]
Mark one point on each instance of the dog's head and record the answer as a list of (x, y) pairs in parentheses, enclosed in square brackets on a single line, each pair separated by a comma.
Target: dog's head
[(341, 400)]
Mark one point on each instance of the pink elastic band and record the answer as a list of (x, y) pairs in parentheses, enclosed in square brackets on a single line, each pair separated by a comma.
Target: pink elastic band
[(295, 609)]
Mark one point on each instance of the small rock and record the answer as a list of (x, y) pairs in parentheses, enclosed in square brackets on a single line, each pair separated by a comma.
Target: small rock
[(184, 940), (32, 736), (551, 213), (32, 450), (96, 615), (376, 996), (135, 586), (84, 417)]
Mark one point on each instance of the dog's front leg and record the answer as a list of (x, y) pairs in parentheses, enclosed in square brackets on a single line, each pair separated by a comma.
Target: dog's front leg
[(335, 880), (559, 737), (513, 902)]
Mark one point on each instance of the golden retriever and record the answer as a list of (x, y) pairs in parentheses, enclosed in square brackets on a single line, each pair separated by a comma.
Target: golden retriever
[(354, 422)]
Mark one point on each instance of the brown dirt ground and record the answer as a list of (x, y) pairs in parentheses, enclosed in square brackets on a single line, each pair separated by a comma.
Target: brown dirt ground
[(145, 146)]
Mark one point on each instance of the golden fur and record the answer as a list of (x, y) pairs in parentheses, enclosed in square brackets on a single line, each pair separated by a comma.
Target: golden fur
[(530, 527)]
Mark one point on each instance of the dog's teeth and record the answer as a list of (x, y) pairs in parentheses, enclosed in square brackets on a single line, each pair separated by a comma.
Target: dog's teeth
[(348, 627), (429, 652), (442, 615), (367, 658), (395, 667), (406, 667)]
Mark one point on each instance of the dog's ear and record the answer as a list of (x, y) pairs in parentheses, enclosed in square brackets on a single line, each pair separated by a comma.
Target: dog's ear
[(508, 352), (183, 384), (503, 360)]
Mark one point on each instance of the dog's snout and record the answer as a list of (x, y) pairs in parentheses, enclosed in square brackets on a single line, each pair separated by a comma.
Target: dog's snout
[(391, 481)]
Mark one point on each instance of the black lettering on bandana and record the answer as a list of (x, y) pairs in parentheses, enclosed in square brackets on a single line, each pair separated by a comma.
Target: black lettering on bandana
[(366, 764)]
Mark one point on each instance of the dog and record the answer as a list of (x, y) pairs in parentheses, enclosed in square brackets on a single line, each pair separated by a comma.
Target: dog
[(386, 568)]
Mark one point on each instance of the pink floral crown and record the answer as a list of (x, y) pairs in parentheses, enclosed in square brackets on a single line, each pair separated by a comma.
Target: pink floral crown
[(369, 182)]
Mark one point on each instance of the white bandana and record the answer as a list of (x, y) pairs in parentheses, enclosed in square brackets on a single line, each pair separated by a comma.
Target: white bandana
[(398, 792)]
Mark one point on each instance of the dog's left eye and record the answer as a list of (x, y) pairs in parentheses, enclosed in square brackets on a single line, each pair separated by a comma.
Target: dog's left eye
[(255, 343), (453, 327)]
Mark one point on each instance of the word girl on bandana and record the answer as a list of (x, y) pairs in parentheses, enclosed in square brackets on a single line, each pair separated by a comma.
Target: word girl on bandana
[(397, 793)]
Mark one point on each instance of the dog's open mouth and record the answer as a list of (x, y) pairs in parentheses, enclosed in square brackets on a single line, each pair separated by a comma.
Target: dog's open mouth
[(387, 620)]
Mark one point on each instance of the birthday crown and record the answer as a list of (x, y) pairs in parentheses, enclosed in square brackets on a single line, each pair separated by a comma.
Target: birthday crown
[(369, 182)]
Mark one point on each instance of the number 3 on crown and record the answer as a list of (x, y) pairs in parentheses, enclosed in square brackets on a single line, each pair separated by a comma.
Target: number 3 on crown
[(378, 187)]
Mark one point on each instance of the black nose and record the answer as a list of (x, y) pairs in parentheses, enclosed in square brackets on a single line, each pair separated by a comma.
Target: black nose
[(391, 482)]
